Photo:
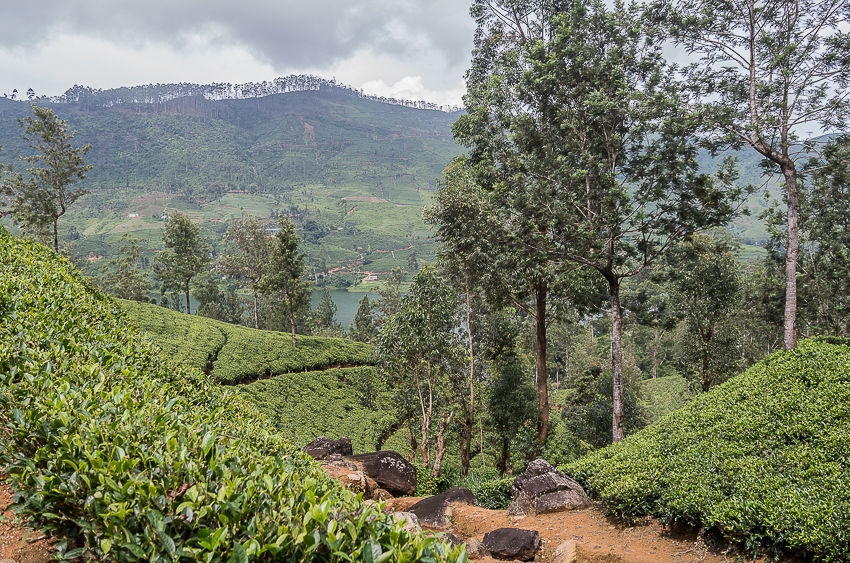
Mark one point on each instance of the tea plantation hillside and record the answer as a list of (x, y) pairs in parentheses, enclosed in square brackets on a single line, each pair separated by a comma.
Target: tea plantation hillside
[(763, 458), (235, 354), (125, 455)]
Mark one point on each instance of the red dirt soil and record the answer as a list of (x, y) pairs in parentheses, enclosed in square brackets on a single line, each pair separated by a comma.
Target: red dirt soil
[(19, 544), (598, 538)]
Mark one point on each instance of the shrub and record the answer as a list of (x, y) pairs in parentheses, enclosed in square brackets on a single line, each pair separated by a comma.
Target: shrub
[(129, 457), (761, 459)]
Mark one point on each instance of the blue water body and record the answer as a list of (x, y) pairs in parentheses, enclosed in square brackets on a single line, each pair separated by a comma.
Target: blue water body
[(346, 303)]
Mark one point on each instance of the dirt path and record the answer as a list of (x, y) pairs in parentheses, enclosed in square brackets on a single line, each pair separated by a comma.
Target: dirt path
[(599, 539), (19, 544)]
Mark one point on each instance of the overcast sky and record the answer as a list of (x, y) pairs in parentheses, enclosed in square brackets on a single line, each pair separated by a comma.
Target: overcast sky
[(414, 49)]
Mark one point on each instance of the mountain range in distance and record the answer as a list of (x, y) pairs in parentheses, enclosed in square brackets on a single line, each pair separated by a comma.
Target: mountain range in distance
[(355, 172)]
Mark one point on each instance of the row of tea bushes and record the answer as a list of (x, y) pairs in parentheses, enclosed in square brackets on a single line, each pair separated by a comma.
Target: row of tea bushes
[(763, 459), (237, 353), (127, 456)]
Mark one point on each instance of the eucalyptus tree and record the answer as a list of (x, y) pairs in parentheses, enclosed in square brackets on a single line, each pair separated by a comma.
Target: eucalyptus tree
[(770, 71), (186, 254), (824, 264), (284, 272), (246, 255), (594, 163), (418, 350), (463, 222), (39, 199), (122, 276)]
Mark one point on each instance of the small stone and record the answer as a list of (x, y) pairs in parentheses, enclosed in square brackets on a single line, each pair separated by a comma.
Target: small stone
[(565, 553), (411, 521), (475, 549), (354, 477)]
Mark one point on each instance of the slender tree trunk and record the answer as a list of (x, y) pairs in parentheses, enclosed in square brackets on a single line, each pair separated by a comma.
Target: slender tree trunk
[(791, 252), (466, 450), (291, 318), (441, 442), (504, 458), (413, 443), (542, 383), (706, 361), (188, 307), (56, 235), (655, 354), (617, 359), (256, 315)]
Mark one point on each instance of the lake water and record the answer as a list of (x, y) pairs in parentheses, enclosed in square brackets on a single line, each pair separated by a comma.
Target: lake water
[(346, 303)]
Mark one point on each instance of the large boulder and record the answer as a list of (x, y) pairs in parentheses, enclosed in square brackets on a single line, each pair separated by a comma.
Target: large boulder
[(322, 447), (391, 471), (435, 511), (512, 544), (542, 489)]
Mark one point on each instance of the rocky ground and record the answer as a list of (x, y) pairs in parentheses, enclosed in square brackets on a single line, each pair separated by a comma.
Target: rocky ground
[(597, 538)]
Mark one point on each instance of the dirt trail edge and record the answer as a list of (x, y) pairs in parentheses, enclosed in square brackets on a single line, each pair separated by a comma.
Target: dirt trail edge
[(19, 544), (599, 538)]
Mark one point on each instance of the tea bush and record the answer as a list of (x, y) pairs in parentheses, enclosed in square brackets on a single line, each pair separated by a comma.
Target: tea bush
[(127, 456), (762, 459), (303, 406), (237, 353)]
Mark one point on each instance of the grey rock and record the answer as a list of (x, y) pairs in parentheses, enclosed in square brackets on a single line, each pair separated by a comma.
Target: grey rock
[(322, 447), (411, 522), (512, 544), (435, 511), (389, 470), (475, 549), (451, 538), (542, 489)]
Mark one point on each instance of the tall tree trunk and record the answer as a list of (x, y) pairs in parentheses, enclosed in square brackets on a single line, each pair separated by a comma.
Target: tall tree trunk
[(706, 361), (791, 252), (617, 359), (188, 307), (441, 442), (256, 315), (291, 318), (504, 457), (542, 383), (466, 449), (56, 234), (413, 443)]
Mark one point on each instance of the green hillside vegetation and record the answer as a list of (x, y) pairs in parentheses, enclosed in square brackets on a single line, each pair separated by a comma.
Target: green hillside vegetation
[(664, 395), (761, 459), (355, 167), (235, 354), (333, 403), (125, 455)]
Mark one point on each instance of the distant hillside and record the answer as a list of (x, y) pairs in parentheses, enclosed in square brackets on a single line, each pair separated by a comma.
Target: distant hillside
[(356, 171)]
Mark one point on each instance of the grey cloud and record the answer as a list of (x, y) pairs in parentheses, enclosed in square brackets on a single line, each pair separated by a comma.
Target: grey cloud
[(287, 34)]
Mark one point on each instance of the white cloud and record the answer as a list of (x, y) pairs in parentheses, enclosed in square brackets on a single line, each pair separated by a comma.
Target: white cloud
[(412, 88)]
